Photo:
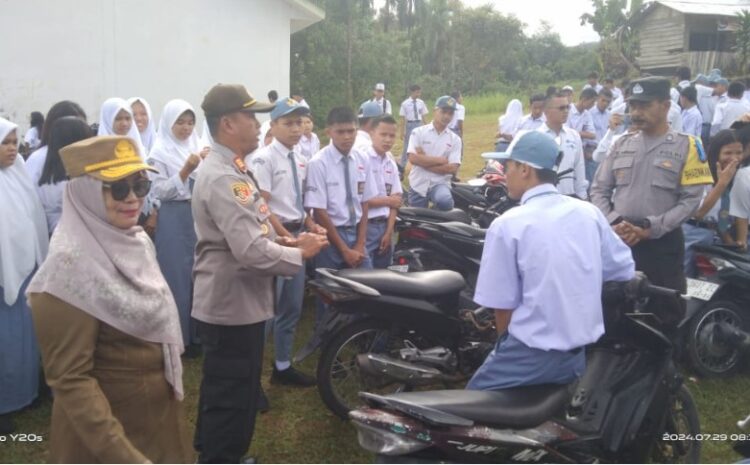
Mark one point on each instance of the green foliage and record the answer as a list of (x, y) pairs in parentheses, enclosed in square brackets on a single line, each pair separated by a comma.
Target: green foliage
[(619, 44), (742, 42), (439, 44)]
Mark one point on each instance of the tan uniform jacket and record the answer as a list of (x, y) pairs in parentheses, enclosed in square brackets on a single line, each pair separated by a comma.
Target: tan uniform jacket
[(112, 403), (664, 184), (236, 257)]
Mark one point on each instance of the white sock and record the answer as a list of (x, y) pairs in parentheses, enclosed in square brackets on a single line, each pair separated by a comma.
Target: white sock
[(281, 366)]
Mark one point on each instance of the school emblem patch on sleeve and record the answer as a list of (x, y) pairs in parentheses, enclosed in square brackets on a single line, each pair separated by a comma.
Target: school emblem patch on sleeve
[(242, 192)]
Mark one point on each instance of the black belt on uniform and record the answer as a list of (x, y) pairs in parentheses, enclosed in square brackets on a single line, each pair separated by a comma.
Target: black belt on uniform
[(293, 226), (379, 219), (414, 121), (702, 224)]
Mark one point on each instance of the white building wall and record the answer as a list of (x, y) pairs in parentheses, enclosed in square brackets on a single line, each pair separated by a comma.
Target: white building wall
[(90, 50)]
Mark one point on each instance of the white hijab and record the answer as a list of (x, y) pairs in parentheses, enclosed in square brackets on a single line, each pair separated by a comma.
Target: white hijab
[(169, 150), (148, 137), (23, 226), (510, 121), (110, 108)]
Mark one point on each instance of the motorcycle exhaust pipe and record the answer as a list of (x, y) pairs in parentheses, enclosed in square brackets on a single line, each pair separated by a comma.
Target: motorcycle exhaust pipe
[(735, 336), (379, 366)]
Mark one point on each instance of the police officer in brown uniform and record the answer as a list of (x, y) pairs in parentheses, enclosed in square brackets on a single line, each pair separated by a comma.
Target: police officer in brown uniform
[(236, 258), (651, 184)]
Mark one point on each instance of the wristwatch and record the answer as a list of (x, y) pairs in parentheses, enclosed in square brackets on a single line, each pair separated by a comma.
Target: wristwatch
[(646, 223)]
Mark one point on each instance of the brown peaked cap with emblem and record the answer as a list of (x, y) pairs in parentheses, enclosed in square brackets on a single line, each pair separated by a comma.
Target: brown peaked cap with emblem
[(107, 158), (223, 99)]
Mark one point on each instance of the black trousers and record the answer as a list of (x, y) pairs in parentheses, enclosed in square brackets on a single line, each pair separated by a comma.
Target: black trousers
[(663, 261), (233, 357)]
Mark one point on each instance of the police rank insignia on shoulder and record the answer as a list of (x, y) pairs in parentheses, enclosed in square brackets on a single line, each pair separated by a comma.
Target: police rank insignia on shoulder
[(696, 170), (264, 229), (239, 163), (242, 192), (263, 209)]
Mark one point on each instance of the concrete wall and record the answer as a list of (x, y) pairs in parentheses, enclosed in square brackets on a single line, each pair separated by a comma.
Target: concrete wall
[(90, 50)]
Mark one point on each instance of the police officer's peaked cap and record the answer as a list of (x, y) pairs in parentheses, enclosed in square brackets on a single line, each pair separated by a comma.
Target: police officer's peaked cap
[(223, 99), (650, 88)]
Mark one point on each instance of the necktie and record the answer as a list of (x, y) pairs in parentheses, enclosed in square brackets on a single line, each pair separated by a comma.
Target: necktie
[(349, 197), (416, 113), (297, 189)]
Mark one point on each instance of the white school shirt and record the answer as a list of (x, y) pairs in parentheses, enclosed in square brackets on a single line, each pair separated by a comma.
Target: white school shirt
[(728, 112), (529, 123), (580, 121), (692, 121), (600, 119), (546, 260), (572, 148), (407, 110), (674, 116), (739, 197), (264, 128), (386, 177), (446, 144), (309, 146), (362, 141), (273, 171), (616, 93), (326, 189), (458, 115), (167, 185), (388, 108), (33, 138)]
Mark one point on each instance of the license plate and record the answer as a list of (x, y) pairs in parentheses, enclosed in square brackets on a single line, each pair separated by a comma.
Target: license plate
[(701, 290), (399, 268)]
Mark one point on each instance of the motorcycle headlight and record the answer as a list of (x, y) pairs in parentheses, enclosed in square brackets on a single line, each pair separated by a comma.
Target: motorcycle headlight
[(384, 442)]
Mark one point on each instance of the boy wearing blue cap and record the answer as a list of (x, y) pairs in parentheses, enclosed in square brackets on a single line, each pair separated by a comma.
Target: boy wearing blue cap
[(544, 319), (368, 113), (281, 173), (435, 152)]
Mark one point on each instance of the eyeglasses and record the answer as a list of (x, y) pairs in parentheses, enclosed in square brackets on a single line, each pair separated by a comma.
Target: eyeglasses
[(121, 189)]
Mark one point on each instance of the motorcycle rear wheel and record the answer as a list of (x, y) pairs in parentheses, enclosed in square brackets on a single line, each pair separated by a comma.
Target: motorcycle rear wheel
[(339, 378), (682, 420), (709, 356)]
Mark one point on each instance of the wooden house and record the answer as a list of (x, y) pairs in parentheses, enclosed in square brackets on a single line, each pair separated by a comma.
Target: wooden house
[(694, 33)]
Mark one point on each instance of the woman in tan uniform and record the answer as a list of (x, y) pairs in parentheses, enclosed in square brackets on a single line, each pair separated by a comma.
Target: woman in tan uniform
[(106, 322)]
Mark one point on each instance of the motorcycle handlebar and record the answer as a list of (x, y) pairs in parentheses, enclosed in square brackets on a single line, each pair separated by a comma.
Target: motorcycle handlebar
[(652, 290)]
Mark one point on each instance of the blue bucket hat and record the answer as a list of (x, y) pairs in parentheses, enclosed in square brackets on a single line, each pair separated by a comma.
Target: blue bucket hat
[(532, 148), (287, 105)]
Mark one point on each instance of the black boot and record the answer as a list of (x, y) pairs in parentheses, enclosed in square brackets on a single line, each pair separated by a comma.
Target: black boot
[(292, 377)]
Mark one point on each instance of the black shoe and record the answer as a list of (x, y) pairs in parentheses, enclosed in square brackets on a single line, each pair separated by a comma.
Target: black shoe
[(7, 425), (292, 377), (193, 351), (263, 404)]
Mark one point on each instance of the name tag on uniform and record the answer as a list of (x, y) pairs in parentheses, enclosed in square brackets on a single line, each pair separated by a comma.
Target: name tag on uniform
[(360, 188), (388, 188)]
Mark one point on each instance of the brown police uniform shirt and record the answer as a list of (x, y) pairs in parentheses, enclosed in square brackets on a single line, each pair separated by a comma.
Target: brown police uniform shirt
[(661, 179), (236, 257)]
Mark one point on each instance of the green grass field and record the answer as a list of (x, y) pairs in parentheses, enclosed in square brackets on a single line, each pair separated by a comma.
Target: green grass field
[(300, 429)]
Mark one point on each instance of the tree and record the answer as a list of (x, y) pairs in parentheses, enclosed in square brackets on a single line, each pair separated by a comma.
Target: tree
[(742, 42), (619, 45)]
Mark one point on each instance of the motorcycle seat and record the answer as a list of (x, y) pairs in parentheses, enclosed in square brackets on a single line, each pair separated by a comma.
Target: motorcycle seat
[(521, 407), (463, 229), (416, 284), (429, 214)]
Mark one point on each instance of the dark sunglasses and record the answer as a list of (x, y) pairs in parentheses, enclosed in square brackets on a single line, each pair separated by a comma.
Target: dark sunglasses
[(121, 189)]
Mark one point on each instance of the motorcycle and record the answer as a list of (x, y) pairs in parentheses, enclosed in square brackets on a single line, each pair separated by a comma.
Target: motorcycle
[(390, 332), (485, 197), (718, 300), (629, 406)]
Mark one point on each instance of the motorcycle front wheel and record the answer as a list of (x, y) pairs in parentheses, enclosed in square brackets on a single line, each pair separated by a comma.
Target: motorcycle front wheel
[(682, 423), (339, 378), (709, 354)]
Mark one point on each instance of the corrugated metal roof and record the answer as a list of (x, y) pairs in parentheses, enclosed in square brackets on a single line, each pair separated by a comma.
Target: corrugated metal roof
[(707, 7)]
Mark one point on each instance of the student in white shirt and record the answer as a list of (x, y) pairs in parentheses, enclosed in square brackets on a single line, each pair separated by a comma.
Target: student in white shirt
[(368, 113), (692, 120), (339, 185), (457, 123), (508, 124), (579, 117), (556, 110), (378, 96), (435, 153), (544, 319), (412, 114), (600, 115), (383, 208), (593, 82), (281, 172), (33, 137), (609, 84), (728, 111), (309, 142), (536, 117)]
